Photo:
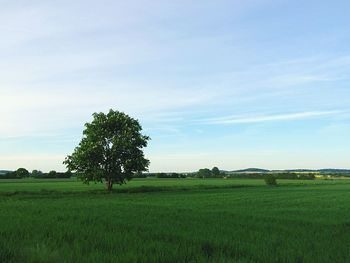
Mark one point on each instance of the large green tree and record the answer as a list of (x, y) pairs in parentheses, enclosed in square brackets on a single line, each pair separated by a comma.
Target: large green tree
[(110, 151), (22, 172)]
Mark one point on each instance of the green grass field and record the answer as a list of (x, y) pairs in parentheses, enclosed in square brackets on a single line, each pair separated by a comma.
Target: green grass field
[(165, 220)]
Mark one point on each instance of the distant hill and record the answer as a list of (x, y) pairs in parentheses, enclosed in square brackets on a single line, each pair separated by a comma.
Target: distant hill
[(252, 170), (321, 171), (345, 172), (334, 171), (4, 171)]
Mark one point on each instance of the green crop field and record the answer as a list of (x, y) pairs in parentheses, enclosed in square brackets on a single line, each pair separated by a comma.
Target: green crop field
[(169, 220)]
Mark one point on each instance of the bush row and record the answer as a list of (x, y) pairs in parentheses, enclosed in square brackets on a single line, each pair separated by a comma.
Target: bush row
[(24, 173)]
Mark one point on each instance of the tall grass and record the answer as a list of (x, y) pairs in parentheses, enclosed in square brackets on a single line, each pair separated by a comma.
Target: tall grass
[(189, 221)]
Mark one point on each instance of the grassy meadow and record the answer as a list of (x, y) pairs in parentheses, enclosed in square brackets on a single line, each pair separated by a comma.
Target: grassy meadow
[(175, 220)]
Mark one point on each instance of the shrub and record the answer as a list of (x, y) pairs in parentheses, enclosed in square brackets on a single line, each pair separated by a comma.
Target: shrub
[(270, 180)]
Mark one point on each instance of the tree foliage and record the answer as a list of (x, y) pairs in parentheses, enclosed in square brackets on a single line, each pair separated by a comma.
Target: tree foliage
[(111, 150), (51, 175), (204, 173), (270, 180), (18, 174), (36, 173), (215, 172), (22, 173), (207, 173)]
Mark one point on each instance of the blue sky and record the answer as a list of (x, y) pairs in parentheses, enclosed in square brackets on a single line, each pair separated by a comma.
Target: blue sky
[(229, 83)]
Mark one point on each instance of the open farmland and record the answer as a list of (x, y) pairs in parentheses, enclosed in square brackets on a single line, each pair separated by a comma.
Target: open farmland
[(184, 220)]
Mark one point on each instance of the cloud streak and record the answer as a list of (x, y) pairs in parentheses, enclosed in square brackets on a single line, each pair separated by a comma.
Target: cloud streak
[(271, 118)]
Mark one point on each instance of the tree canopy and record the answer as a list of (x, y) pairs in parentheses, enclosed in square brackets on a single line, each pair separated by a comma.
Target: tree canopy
[(22, 172), (215, 172), (110, 151), (204, 173)]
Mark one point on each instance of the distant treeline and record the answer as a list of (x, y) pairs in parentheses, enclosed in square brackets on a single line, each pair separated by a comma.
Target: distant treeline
[(327, 172), (335, 172), (285, 175), (201, 173), (216, 173), (24, 173), (161, 175), (252, 173)]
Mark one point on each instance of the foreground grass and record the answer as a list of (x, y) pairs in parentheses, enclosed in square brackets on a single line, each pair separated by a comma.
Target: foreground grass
[(178, 221)]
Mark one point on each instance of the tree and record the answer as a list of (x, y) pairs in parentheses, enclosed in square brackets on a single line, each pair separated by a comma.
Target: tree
[(67, 174), (52, 174), (22, 172), (215, 172), (204, 173), (37, 173), (110, 151)]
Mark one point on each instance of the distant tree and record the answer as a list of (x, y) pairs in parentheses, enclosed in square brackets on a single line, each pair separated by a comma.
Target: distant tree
[(111, 150), (22, 173), (204, 173), (312, 176), (307, 176), (9, 175), (177, 175), (215, 172), (36, 173), (52, 174), (140, 175), (162, 175), (270, 180), (67, 174)]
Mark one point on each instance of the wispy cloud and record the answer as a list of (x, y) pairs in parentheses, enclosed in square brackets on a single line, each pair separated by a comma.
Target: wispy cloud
[(270, 118)]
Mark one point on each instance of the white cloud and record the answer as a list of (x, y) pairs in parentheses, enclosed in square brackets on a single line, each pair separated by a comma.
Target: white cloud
[(270, 118)]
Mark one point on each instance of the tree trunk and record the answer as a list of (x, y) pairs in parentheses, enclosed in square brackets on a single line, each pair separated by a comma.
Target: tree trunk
[(109, 185)]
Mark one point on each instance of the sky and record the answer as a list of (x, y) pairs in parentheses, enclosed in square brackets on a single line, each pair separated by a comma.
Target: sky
[(233, 84)]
